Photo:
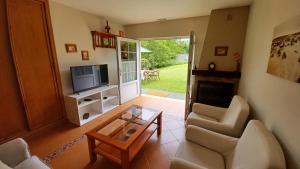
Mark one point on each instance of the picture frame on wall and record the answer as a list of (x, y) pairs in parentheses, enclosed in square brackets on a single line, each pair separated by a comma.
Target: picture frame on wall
[(85, 55), (71, 48), (284, 58), (221, 50), (121, 33)]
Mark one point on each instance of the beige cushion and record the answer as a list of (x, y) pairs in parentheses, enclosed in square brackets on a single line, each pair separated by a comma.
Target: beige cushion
[(3, 166), (257, 148), (196, 117), (200, 155), (32, 163), (211, 140), (14, 152), (229, 121)]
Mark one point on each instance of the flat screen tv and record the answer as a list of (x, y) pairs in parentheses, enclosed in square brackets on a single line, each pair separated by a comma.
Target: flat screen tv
[(88, 77)]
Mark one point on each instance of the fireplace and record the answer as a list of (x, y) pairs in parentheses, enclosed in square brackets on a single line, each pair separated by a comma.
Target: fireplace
[(215, 93)]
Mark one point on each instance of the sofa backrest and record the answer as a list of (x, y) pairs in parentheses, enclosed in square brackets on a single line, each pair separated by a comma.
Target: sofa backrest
[(236, 114), (257, 148)]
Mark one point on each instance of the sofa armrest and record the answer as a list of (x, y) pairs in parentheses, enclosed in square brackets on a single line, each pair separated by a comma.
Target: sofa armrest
[(14, 152), (178, 163), (210, 111), (209, 139)]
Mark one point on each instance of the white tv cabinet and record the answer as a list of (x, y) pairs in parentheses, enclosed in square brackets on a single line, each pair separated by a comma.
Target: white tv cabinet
[(95, 102)]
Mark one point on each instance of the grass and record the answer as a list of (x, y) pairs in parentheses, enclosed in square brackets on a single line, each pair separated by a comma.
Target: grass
[(172, 79)]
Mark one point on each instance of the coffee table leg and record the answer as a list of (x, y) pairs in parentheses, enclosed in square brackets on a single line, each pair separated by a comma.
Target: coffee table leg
[(125, 160), (92, 145), (159, 123)]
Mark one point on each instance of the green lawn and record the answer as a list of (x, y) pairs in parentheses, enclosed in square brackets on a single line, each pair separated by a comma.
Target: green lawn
[(172, 79)]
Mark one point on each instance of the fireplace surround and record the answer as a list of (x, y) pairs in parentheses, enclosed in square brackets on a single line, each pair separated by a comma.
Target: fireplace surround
[(215, 93), (215, 87)]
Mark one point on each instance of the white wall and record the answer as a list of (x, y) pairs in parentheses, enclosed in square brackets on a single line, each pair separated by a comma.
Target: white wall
[(74, 26), (273, 100), (224, 32)]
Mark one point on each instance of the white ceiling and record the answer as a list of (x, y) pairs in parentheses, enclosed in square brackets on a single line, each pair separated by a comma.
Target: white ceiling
[(141, 11)]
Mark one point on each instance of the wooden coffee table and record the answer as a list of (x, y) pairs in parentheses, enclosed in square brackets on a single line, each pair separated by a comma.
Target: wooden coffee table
[(122, 137)]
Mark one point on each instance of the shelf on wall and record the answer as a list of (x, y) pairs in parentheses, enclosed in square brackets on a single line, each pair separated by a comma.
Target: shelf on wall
[(228, 74), (103, 40)]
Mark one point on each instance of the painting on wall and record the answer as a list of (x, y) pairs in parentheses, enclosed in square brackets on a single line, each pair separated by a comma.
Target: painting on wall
[(85, 55), (71, 48), (284, 58), (221, 50)]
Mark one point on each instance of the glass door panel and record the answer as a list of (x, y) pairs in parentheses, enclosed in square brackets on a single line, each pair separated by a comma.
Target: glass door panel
[(129, 68), (124, 46), (132, 47), (128, 61)]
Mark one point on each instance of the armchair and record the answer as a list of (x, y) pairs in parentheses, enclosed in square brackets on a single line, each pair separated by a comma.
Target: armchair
[(16, 154), (203, 149), (229, 121)]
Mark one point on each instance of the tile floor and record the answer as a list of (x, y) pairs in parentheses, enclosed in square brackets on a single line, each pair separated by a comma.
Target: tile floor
[(67, 147), (171, 95)]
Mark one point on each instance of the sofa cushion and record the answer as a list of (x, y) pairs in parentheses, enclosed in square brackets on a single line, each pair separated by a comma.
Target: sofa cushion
[(3, 166), (200, 155), (32, 163)]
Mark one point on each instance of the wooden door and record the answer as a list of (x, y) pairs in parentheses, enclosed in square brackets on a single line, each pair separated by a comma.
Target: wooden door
[(129, 68), (12, 113), (35, 60)]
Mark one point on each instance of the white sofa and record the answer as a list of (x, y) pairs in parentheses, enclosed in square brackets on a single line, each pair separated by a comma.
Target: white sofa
[(204, 149), (229, 121), (15, 154)]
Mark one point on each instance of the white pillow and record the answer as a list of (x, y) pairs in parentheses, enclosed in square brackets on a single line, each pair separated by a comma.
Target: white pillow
[(3, 166)]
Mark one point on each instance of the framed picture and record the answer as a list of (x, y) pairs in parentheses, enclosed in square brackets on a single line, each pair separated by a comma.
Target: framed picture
[(85, 55), (121, 34), (284, 58), (71, 48), (221, 50)]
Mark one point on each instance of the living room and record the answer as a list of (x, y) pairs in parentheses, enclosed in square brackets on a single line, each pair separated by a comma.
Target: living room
[(240, 47)]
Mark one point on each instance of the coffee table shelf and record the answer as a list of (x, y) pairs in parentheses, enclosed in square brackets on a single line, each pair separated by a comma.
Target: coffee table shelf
[(123, 136), (115, 154)]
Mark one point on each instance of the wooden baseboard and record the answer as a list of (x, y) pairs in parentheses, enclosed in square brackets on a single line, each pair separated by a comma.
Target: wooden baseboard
[(26, 134)]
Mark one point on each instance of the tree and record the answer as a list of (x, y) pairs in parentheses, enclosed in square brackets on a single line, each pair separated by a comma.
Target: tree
[(163, 52)]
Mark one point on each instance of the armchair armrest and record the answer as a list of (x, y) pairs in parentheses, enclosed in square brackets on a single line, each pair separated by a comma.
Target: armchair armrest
[(216, 126), (14, 152), (209, 139), (210, 111), (178, 163)]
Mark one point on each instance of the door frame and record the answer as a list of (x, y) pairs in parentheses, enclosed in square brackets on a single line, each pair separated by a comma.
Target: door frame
[(190, 81)]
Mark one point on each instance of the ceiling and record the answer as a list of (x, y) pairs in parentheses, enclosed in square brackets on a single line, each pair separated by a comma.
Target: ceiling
[(141, 11)]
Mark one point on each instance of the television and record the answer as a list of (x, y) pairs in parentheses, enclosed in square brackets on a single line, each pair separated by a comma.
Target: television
[(88, 77)]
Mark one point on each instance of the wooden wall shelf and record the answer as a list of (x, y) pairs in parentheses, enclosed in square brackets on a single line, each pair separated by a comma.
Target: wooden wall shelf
[(103, 40), (224, 74)]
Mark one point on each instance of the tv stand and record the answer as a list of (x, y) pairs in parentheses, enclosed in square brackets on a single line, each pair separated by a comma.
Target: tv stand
[(76, 106)]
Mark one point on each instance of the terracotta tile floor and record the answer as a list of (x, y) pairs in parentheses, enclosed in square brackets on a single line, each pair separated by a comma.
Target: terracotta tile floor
[(156, 154)]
